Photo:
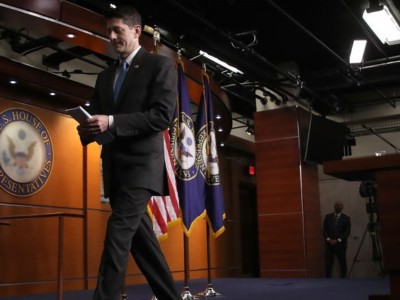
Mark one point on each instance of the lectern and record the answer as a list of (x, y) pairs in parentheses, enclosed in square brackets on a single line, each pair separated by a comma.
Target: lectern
[(385, 171)]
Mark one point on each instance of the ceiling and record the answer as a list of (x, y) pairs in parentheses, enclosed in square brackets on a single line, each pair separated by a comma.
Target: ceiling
[(297, 49), (289, 51)]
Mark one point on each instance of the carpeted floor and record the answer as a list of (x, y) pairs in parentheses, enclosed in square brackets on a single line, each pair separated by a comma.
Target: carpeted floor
[(256, 288)]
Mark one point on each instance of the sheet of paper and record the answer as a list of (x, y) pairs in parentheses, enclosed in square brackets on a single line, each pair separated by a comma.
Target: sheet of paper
[(81, 115)]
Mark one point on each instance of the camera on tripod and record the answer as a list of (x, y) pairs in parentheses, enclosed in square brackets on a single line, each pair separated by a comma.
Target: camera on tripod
[(368, 190)]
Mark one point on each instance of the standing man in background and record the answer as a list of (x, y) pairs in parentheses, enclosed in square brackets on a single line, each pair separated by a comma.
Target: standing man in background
[(336, 230), (134, 101)]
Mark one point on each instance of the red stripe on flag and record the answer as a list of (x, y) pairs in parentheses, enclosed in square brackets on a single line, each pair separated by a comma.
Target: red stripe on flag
[(165, 209), (173, 192)]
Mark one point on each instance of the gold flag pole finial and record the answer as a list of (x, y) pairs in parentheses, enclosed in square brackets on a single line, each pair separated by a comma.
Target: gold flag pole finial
[(156, 38), (179, 54)]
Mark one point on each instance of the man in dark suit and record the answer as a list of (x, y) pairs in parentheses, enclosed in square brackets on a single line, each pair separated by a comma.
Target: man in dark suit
[(133, 162), (336, 230)]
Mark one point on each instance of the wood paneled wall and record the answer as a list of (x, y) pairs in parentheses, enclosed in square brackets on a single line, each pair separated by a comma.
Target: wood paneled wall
[(29, 248), (290, 238)]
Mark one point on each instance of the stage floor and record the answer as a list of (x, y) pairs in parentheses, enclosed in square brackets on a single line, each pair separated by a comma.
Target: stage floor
[(255, 288)]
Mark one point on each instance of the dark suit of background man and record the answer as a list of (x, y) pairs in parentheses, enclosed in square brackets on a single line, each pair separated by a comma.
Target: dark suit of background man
[(336, 230), (133, 163)]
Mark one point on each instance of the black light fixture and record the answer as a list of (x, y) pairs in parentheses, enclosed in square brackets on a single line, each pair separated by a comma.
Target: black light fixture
[(250, 128)]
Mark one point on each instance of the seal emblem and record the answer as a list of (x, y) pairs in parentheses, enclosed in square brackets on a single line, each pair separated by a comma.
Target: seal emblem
[(207, 155), (26, 153), (183, 147)]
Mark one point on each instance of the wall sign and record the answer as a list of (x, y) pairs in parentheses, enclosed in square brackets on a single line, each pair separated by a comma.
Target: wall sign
[(26, 153)]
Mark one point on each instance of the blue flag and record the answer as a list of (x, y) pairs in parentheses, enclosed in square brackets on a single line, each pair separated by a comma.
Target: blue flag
[(207, 157), (183, 147)]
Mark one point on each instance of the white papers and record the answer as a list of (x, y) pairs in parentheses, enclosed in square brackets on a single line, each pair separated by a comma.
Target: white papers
[(81, 115), (78, 113)]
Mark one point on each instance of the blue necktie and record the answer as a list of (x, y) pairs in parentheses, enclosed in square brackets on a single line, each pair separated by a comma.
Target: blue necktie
[(123, 69)]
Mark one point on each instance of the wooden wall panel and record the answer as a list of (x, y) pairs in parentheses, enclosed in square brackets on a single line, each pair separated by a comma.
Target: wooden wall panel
[(96, 229), (92, 177), (272, 125), (312, 222), (314, 246), (44, 7), (29, 250), (278, 178), (71, 13), (62, 189), (36, 270), (387, 182), (288, 197), (281, 242)]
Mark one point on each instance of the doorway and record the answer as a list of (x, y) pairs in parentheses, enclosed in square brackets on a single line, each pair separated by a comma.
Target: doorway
[(249, 230)]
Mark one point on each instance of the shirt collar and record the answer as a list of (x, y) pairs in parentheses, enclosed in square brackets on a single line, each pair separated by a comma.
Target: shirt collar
[(131, 56)]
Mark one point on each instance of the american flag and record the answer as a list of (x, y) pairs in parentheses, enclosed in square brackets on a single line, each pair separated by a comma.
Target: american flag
[(165, 210)]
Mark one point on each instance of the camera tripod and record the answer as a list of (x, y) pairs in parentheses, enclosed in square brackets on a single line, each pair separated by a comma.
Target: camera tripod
[(373, 228)]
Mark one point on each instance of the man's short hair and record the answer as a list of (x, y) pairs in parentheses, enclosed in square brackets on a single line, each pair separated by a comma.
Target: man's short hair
[(128, 14)]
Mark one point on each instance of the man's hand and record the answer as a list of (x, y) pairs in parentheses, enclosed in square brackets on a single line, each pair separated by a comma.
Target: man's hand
[(332, 242), (92, 127)]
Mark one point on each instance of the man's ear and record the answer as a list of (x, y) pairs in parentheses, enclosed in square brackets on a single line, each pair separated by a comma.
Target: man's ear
[(137, 30)]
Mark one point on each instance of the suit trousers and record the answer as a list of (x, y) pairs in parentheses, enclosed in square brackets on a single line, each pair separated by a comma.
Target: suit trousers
[(129, 229), (338, 250)]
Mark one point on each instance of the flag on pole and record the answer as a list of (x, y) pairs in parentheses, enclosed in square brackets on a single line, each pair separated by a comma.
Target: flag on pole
[(164, 210), (183, 144), (208, 161)]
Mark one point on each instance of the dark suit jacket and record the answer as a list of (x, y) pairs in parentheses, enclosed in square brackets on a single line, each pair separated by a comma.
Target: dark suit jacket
[(144, 108), (340, 230)]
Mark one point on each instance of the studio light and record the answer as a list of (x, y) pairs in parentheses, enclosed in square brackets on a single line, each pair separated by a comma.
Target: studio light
[(381, 21), (357, 51), (220, 62)]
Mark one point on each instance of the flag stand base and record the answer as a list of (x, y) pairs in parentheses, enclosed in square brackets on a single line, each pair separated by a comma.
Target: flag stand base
[(186, 295), (209, 292), (124, 296)]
